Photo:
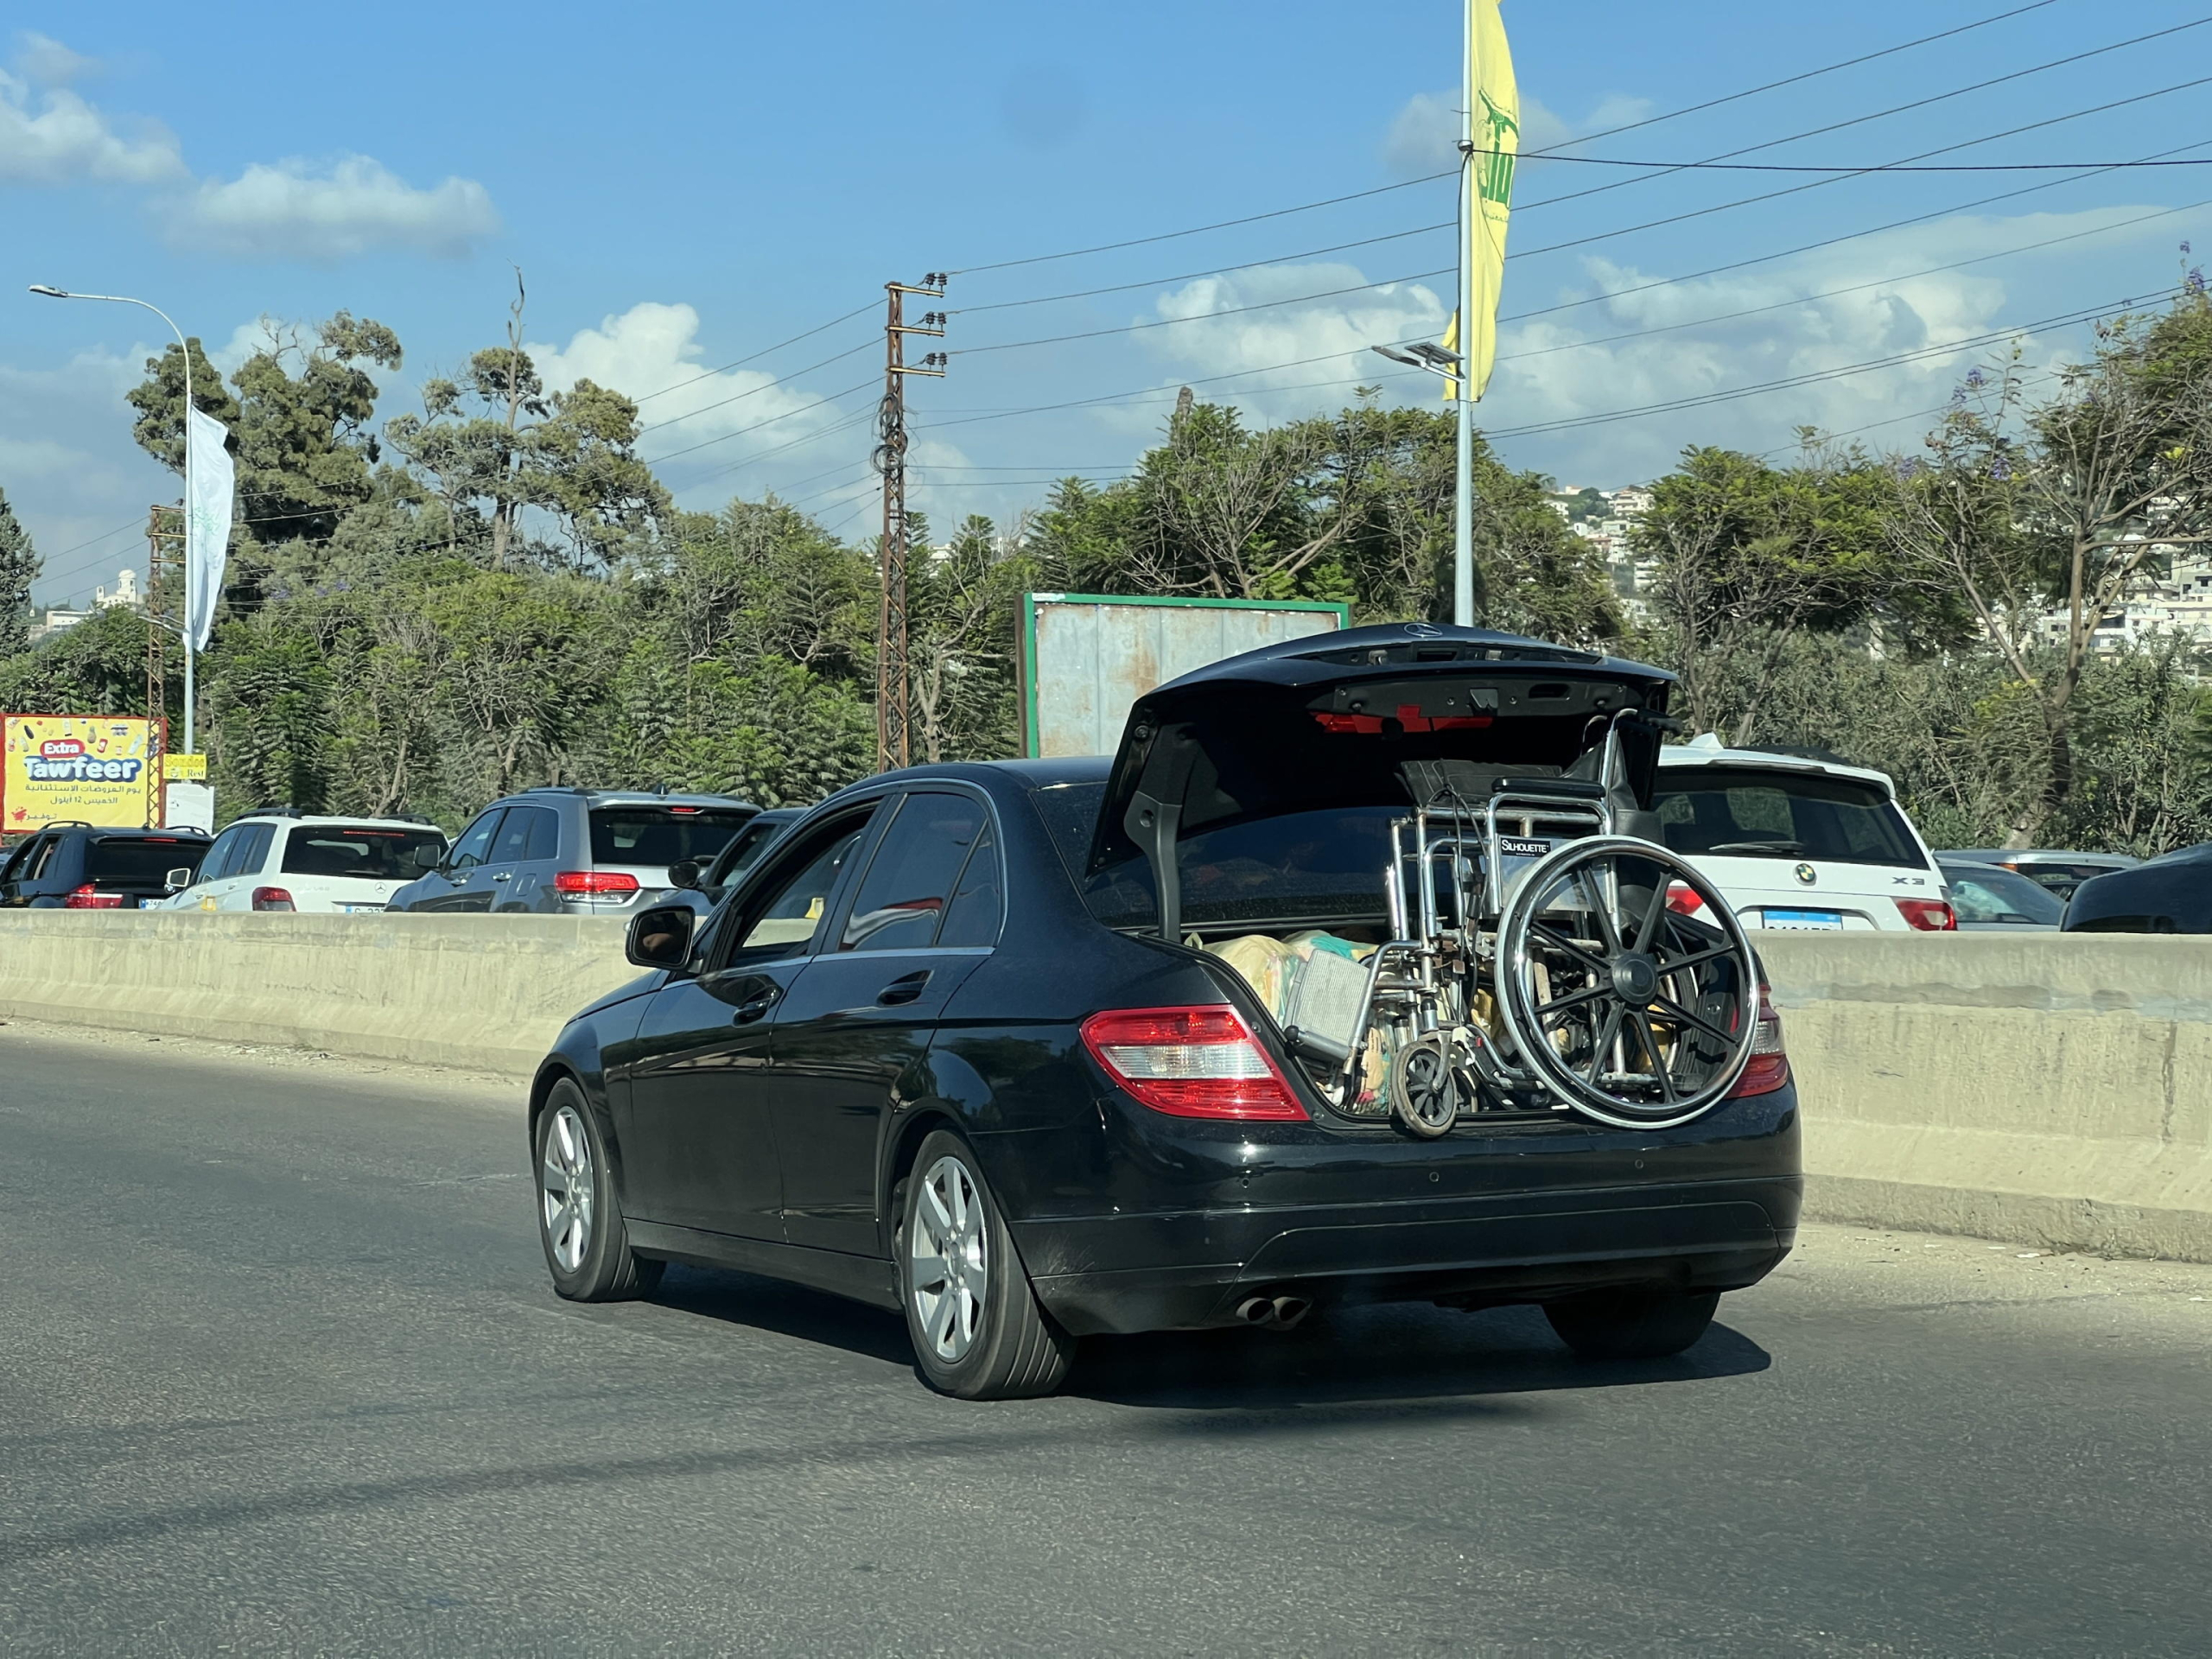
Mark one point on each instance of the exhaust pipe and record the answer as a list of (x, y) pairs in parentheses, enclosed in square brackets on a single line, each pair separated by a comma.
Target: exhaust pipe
[(1290, 1310), (1256, 1310)]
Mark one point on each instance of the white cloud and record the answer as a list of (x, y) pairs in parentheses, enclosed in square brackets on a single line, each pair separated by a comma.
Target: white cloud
[(294, 210), (45, 60), (55, 137), (760, 434), (1215, 337)]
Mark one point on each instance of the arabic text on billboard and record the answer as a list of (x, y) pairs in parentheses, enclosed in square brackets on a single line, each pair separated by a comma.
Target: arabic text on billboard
[(74, 766)]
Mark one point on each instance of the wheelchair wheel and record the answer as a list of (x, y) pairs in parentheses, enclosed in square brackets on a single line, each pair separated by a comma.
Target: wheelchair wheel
[(1424, 1086), (1633, 1005)]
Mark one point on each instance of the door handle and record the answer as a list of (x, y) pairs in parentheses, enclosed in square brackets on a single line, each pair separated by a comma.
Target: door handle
[(755, 1006), (503, 875), (903, 989)]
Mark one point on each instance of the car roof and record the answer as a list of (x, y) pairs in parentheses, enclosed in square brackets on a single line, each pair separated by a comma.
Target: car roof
[(2011, 854), (620, 797), (1707, 750), (312, 819), (112, 829)]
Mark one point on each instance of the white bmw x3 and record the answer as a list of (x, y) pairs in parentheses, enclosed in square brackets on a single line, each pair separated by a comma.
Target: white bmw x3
[(280, 859), (1797, 843)]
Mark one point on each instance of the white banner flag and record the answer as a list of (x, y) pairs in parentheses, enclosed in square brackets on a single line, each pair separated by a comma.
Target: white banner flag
[(210, 487)]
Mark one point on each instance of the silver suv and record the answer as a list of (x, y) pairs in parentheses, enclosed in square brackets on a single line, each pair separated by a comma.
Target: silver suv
[(575, 852)]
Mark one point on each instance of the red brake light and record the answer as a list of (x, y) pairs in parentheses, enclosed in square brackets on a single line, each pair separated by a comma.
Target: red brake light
[(1201, 1062), (1929, 915), (1769, 1066), (1682, 899), (89, 898), (594, 882), (271, 899)]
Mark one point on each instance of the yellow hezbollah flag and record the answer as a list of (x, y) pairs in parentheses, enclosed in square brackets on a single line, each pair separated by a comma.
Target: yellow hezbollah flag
[(1494, 133)]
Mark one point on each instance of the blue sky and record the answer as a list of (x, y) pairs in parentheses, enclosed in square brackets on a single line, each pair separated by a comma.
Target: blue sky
[(683, 185)]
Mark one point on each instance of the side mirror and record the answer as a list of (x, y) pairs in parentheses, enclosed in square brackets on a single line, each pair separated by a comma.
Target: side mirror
[(178, 879), (660, 937), (425, 859), (684, 872)]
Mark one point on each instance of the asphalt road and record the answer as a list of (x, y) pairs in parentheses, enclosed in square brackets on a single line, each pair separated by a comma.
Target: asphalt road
[(280, 1371)]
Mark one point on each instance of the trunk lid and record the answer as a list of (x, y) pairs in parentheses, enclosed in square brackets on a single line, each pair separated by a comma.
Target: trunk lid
[(1326, 723)]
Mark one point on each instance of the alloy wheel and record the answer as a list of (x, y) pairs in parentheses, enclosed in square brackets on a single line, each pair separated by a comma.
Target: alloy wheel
[(567, 1189), (948, 1264)]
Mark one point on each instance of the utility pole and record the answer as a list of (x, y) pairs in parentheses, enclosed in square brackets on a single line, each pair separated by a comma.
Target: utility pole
[(893, 711), (158, 563)]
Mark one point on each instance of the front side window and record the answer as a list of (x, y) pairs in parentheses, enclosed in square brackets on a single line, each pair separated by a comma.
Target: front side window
[(217, 864), (475, 841), (363, 852), (911, 875), (787, 920), (1744, 812)]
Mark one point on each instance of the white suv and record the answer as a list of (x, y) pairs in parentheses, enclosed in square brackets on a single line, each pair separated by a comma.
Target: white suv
[(1798, 843), (281, 859)]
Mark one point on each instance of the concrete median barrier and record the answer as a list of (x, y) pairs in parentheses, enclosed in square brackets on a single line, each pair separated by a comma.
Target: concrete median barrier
[(2051, 1087), (2055, 1088), (485, 992)]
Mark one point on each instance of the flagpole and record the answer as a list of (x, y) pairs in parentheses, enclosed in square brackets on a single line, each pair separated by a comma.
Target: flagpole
[(1462, 540)]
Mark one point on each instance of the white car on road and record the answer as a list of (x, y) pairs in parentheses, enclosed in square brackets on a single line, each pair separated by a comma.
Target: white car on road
[(283, 860), (1797, 843)]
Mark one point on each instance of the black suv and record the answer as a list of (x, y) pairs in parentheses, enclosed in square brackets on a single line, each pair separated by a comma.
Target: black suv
[(78, 867)]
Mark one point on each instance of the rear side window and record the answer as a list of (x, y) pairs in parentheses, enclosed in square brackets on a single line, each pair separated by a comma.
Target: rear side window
[(372, 854), (526, 833), (660, 835), (911, 875), (979, 901), (1730, 812), (139, 860), (252, 850)]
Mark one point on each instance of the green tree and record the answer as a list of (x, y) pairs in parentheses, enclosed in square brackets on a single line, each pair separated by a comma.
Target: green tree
[(19, 568)]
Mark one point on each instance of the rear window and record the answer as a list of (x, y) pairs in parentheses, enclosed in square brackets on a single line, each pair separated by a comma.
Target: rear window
[(660, 835), (1316, 867), (139, 860), (373, 854), (1747, 812), (2063, 879), (1994, 895)]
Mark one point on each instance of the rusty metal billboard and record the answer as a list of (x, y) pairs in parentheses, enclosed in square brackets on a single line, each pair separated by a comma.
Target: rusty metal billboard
[(1085, 657)]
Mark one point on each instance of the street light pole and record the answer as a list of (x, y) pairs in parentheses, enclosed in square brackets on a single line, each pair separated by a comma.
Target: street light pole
[(185, 348)]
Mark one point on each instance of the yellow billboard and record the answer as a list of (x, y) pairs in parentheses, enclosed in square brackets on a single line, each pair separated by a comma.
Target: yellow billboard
[(94, 768)]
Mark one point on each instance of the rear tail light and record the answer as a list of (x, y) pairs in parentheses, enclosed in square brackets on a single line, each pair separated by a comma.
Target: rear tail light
[(1769, 1066), (272, 898), (1929, 915), (1201, 1062), (1682, 899), (578, 883), (91, 898)]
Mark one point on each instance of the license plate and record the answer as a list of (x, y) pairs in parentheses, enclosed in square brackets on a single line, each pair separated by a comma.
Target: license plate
[(358, 910), (1824, 921)]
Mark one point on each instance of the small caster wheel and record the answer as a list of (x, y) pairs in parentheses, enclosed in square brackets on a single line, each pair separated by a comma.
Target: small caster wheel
[(1425, 1090)]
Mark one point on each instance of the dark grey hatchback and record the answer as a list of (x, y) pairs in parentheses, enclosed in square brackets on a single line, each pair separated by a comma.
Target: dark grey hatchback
[(937, 1052)]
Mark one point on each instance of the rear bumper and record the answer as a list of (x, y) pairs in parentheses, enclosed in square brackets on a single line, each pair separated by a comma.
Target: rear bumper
[(1190, 1270)]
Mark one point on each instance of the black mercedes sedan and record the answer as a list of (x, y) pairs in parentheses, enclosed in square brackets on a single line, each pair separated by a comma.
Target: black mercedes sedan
[(954, 1048)]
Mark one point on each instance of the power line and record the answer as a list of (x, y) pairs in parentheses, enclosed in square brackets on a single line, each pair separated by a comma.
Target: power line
[(1899, 109), (1576, 242), (823, 403), (1199, 230), (1838, 167), (754, 392), (763, 352), (1789, 80), (1893, 360), (1826, 242)]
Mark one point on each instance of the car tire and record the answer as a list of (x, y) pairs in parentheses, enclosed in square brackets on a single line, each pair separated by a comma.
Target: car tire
[(579, 1218), (1648, 1323), (977, 1329)]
